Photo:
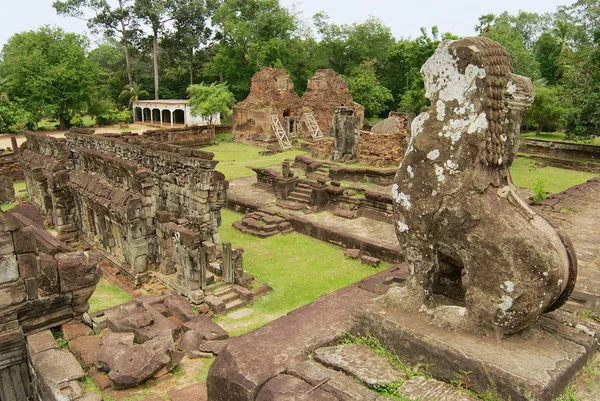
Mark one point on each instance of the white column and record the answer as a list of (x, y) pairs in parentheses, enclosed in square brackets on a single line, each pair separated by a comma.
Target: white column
[(151, 116), (161, 119), (143, 112), (133, 111), (170, 111)]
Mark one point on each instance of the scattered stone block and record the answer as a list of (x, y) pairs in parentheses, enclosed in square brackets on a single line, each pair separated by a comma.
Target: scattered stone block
[(57, 366), (207, 328), (195, 354), (190, 341), (100, 378), (369, 260), (75, 329), (424, 389), (360, 362), (85, 349), (216, 304), (179, 307), (353, 253), (245, 294)]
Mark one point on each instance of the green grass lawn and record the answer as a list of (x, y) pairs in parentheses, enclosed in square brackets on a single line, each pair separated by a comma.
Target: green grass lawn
[(525, 174), (557, 137), (298, 268), (48, 124), (235, 157), (106, 296)]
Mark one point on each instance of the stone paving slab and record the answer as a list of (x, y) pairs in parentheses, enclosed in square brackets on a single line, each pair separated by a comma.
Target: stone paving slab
[(424, 389), (534, 368), (360, 362)]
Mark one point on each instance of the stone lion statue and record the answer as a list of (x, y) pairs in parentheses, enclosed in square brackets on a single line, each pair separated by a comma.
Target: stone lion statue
[(466, 234)]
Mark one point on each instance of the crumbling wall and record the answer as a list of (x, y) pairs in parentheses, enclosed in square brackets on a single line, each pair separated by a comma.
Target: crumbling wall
[(321, 149), (118, 189), (192, 136), (271, 92), (43, 284), (326, 91), (10, 167)]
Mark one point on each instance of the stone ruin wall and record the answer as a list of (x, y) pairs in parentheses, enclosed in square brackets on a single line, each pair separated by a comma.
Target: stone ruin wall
[(10, 167), (43, 284), (145, 206), (326, 91), (271, 92), (192, 136)]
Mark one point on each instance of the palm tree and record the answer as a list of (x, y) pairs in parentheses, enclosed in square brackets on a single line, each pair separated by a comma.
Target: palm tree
[(563, 33), (132, 93)]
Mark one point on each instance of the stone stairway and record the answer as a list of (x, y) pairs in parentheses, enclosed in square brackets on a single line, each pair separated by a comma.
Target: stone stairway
[(301, 193), (222, 297), (263, 223), (322, 172)]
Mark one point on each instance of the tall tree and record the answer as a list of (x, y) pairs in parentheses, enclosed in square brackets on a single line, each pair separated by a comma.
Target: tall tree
[(367, 90), (209, 100), (251, 34), (49, 73), (155, 13), (111, 20)]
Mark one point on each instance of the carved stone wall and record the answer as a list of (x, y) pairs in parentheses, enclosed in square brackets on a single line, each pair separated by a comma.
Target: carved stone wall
[(10, 167), (43, 284), (113, 188)]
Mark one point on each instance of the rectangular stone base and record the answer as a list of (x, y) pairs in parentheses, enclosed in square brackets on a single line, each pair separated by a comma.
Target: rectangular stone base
[(536, 368)]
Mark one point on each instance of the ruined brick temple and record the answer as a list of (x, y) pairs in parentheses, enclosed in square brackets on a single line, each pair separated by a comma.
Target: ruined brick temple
[(151, 209)]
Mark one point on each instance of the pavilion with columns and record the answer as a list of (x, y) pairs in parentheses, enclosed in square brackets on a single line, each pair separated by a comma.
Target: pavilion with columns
[(167, 111)]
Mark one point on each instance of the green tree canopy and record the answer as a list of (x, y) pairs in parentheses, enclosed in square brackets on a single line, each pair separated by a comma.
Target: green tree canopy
[(48, 73), (208, 100), (367, 90)]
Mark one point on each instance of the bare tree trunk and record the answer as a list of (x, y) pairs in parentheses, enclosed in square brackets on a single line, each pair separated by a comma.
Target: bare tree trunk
[(191, 66), (126, 49), (155, 51)]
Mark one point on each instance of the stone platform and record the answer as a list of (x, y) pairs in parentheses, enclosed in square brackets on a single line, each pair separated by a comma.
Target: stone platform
[(538, 367), (376, 238)]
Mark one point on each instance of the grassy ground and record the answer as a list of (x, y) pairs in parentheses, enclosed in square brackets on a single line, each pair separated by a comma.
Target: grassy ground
[(298, 267), (235, 157), (525, 174), (557, 137), (106, 296)]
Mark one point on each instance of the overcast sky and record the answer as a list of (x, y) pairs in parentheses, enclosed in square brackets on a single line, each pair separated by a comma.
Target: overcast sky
[(404, 17)]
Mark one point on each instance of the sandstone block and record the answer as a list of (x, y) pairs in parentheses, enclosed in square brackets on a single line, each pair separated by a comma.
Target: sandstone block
[(179, 307), (40, 342), (424, 389), (8, 223), (353, 253), (206, 327), (12, 293), (284, 387), (75, 329), (6, 244), (24, 240), (47, 278), (9, 269), (77, 270), (85, 349), (28, 265), (369, 260)]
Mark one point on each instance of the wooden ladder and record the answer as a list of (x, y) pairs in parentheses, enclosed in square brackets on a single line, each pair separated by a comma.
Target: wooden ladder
[(312, 125), (282, 137)]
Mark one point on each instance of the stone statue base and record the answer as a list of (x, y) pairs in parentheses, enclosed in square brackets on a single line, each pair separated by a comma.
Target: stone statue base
[(534, 365)]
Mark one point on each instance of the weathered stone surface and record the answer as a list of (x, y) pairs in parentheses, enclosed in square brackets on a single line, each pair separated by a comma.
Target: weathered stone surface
[(28, 265), (40, 342), (285, 387), (85, 349), (370, 260), (193, 392), (333, 382), (251, 360), (75, 329), (12, 293), (453, 196), (90, 397), (77, 270), (216, 304), (140, 362), (112, 346), (424, 389), (206, 328), (353, 253), (8, 223), (190, 341), (24, 240), (48, 276), (533, 368), (9, 269), (129, 316), (57, 366), (359, 361), (179, 306), (7, 190), (6, 244)]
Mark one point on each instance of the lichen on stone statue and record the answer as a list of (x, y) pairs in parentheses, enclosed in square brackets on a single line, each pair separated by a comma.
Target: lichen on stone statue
[(469, 240)]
